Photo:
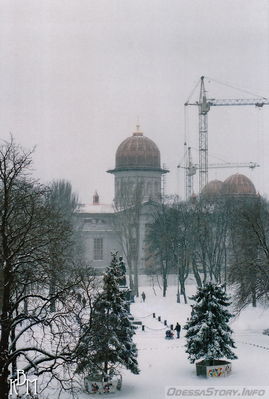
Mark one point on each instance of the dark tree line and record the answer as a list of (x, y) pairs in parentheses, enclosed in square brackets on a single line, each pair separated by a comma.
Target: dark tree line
[(220, 239), (188, 237)]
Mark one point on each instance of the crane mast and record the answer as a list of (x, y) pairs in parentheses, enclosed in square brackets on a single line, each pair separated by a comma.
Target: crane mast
[(204, 105), (203, 136), (190, 171)]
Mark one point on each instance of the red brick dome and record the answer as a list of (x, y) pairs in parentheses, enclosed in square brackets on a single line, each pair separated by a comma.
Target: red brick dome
[(213, 188), (238, 185), (138, 151)]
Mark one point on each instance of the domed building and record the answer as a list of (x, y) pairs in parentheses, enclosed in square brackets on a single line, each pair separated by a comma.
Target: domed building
[(238, 185), (212, 189), (138, 152), (137, 165)]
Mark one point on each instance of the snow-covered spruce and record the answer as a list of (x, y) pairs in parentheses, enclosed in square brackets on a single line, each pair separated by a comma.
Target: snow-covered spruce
[(208, 333), (106, 342)]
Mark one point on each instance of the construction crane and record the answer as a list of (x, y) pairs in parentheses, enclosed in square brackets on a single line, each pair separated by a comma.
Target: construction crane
[(191, 169), (204, 104)]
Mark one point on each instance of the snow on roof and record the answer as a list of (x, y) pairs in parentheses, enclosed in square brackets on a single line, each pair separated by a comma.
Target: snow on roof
[(95, 208)]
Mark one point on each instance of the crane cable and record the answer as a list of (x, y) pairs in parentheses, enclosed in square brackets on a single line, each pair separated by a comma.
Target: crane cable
[(234, 87), (260, 146), (186, 139), (184, 158), (186, 125), (191, 94)]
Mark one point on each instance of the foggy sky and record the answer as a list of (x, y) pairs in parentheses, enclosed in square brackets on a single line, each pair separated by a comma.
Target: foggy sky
[(76, 74)]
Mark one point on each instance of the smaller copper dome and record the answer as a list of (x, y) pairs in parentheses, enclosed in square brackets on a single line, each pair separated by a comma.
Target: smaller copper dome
[(213, 188), (138, 151), (238, 185)]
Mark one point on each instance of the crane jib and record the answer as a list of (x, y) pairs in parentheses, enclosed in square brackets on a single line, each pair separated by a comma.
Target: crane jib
[(231, 102)]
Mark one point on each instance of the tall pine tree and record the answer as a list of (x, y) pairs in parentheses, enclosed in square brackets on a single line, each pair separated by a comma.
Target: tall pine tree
[(208, 333), (106, 341)]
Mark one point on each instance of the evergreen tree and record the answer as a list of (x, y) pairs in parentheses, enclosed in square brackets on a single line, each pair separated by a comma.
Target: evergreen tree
[(208, 333), (106, 341)]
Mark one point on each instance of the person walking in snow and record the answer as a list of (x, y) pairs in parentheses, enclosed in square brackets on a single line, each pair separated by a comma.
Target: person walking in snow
[(178, 329), (143, 296), (95, 387)]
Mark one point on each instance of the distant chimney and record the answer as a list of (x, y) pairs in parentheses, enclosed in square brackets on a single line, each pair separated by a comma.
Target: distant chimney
[(95, 198)]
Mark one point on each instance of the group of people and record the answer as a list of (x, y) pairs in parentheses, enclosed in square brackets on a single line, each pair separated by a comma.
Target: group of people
[(106, 387), (169, 333)]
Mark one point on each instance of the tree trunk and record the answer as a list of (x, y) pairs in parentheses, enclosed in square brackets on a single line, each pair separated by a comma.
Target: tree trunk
[(182, 287), (196, 274), (131, 282), (13, 349), (225, 266), (136, 281), (105, 370), (52, 293), (178, 296), (4, 384), (178, 293), (164, 282), (254, 298), (185, 297), (253, 289), (183, 291), (204, 271), (5, 334)]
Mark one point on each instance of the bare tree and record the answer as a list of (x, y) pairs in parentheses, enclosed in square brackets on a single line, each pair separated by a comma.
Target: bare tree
[(248, 270), (127, 227), (181, 244), (158, 241), (30, 227), (64, 202), (210, 226), (170, 241), (63, 197)]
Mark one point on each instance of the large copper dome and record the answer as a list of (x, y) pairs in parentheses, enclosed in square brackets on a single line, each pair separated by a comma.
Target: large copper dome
[(238, 185), (213, 188), (138, 151)]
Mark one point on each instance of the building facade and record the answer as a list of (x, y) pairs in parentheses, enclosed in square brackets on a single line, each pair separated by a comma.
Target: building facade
[(137, 183)]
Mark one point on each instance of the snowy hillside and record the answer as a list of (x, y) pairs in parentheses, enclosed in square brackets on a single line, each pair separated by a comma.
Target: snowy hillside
[(164, 363)]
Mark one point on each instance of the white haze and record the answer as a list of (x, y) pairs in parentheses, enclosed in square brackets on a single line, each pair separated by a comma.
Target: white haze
[(75, 75)]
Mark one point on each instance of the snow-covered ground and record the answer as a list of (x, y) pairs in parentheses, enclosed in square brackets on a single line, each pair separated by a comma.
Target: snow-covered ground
[(164, 363)]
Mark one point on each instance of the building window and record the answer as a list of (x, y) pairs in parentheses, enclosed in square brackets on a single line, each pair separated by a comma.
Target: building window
[(157, 189), (98, 249)]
